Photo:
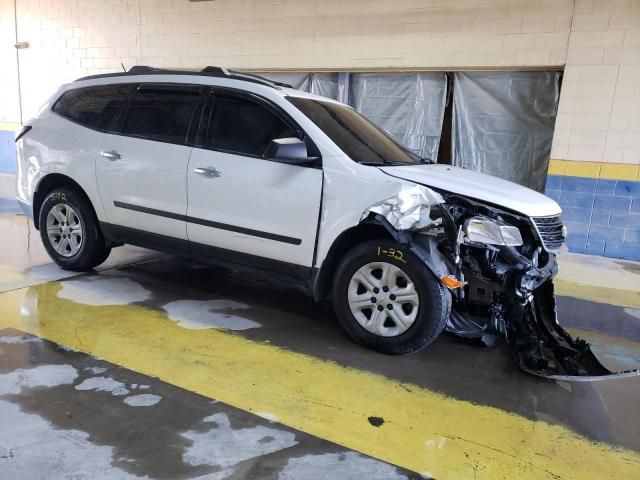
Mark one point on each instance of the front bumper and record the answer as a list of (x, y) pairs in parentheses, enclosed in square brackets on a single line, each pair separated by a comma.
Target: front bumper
[(540, 346), (525, 315), (527, 319)]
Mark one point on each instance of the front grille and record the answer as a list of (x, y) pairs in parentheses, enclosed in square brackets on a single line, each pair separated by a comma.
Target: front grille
[(550, 230)]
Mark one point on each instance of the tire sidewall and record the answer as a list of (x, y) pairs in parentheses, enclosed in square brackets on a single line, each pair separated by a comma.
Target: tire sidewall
[(433, 309), (87, 220)]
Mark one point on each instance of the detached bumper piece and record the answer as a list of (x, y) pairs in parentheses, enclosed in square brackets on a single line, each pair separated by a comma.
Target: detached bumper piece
[(542, 347)]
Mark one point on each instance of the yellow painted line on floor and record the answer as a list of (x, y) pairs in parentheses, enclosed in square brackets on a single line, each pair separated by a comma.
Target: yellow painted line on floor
[(422, 430), (599, 279), (622, 350), (595, 293), (9, 275)]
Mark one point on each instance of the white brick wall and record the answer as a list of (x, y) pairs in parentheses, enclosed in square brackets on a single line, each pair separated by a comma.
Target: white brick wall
[(598, 40), (71, 38), (599, 111)]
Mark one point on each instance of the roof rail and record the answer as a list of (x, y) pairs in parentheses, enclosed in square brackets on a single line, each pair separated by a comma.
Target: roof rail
[(209, 71), (249, 77), (214, 71), (143, 69)]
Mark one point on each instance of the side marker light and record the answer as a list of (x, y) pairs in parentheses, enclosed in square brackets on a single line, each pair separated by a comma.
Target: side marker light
[(452, 282)]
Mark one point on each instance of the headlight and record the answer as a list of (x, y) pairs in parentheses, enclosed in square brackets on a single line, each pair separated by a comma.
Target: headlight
[(490, 232)]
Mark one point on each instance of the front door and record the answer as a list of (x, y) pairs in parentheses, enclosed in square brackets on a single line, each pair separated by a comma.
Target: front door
[(242, 202), (142, 170)]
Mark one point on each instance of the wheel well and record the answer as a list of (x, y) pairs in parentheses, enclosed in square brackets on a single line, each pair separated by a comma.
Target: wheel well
[(345, 242), (49, 183)]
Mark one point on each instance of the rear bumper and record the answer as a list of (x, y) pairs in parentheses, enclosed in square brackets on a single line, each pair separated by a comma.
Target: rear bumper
[(27, 208)]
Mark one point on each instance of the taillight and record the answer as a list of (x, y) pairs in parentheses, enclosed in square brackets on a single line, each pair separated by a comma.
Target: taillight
[(21, 133)]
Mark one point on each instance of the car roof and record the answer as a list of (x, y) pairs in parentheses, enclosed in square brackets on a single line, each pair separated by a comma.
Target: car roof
[(217, 72), (210, 72)]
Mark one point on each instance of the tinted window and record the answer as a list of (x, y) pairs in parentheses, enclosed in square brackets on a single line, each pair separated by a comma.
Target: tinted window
[(241, 125), (93, 107), (161, 113), (356, 136)]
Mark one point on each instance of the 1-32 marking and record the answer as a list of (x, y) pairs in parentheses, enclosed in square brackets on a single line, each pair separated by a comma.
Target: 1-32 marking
[(393, 253)]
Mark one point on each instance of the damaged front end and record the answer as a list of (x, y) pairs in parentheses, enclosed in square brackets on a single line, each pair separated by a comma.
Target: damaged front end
[(499, 267)]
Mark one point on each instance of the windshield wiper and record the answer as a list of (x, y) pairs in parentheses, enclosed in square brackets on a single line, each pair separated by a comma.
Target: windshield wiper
[(399, 164), (411, 152), (388, 164)]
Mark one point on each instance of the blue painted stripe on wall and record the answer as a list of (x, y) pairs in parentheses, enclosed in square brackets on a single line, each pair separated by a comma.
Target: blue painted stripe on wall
[(602, 215), (7, 152)]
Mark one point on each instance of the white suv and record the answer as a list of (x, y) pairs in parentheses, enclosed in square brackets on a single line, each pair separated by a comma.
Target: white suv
[(238, 170)]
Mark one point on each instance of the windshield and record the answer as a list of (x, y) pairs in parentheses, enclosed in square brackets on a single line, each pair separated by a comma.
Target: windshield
[(356, 136)]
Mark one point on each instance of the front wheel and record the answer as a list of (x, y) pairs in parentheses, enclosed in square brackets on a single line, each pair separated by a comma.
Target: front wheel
[(70, 232), (386, 299)]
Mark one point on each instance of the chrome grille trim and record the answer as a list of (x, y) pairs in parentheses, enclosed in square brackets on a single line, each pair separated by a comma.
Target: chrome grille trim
[(549, 231)]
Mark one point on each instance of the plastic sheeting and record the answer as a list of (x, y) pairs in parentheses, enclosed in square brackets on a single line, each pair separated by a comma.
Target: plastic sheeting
[(410, 106), (324, 84), (503, 123)]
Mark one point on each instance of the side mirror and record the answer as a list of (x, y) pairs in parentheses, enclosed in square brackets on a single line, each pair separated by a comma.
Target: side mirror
[(289, 150)]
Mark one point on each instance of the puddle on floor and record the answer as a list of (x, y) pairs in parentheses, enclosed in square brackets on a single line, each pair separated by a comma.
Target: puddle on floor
[(100, 291), (201, 314)]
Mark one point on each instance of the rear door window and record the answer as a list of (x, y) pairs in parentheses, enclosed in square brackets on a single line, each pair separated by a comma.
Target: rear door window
[(239, 124), (94, 107), (162, 113)]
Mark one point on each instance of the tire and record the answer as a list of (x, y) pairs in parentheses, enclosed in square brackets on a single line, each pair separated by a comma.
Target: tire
[(390, 330), (70, 231)]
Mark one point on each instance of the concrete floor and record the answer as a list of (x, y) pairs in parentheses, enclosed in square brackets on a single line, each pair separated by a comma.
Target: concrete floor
[(157, 368), (67, 412)]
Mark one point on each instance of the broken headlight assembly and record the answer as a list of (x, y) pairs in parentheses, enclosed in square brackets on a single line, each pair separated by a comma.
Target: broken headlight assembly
[(489, 232)]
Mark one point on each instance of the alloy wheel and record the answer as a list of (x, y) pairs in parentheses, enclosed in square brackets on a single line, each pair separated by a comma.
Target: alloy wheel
[(64, 230)]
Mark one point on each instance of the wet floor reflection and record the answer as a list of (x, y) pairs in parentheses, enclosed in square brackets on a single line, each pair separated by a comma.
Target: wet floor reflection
[(245, 373), (24, 261), (262, 309)]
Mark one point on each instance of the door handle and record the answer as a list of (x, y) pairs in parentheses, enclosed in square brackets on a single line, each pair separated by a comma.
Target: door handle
[(110, 154), (207, 172)]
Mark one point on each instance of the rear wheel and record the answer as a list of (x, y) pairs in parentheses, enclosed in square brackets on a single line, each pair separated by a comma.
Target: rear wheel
[(70, 232), (386, 299)]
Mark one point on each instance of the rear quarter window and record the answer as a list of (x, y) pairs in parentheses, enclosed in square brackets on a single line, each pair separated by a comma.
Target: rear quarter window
[(94, 107)]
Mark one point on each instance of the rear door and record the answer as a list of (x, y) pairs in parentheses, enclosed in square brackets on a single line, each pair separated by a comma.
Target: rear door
[(242, 202), (142, 167), (69, 140)]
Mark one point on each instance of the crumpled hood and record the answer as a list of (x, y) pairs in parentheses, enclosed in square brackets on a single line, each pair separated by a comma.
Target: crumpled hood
[(478, 186)]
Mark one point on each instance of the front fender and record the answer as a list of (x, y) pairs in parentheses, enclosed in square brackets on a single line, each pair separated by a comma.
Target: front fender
[(425, 247)]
